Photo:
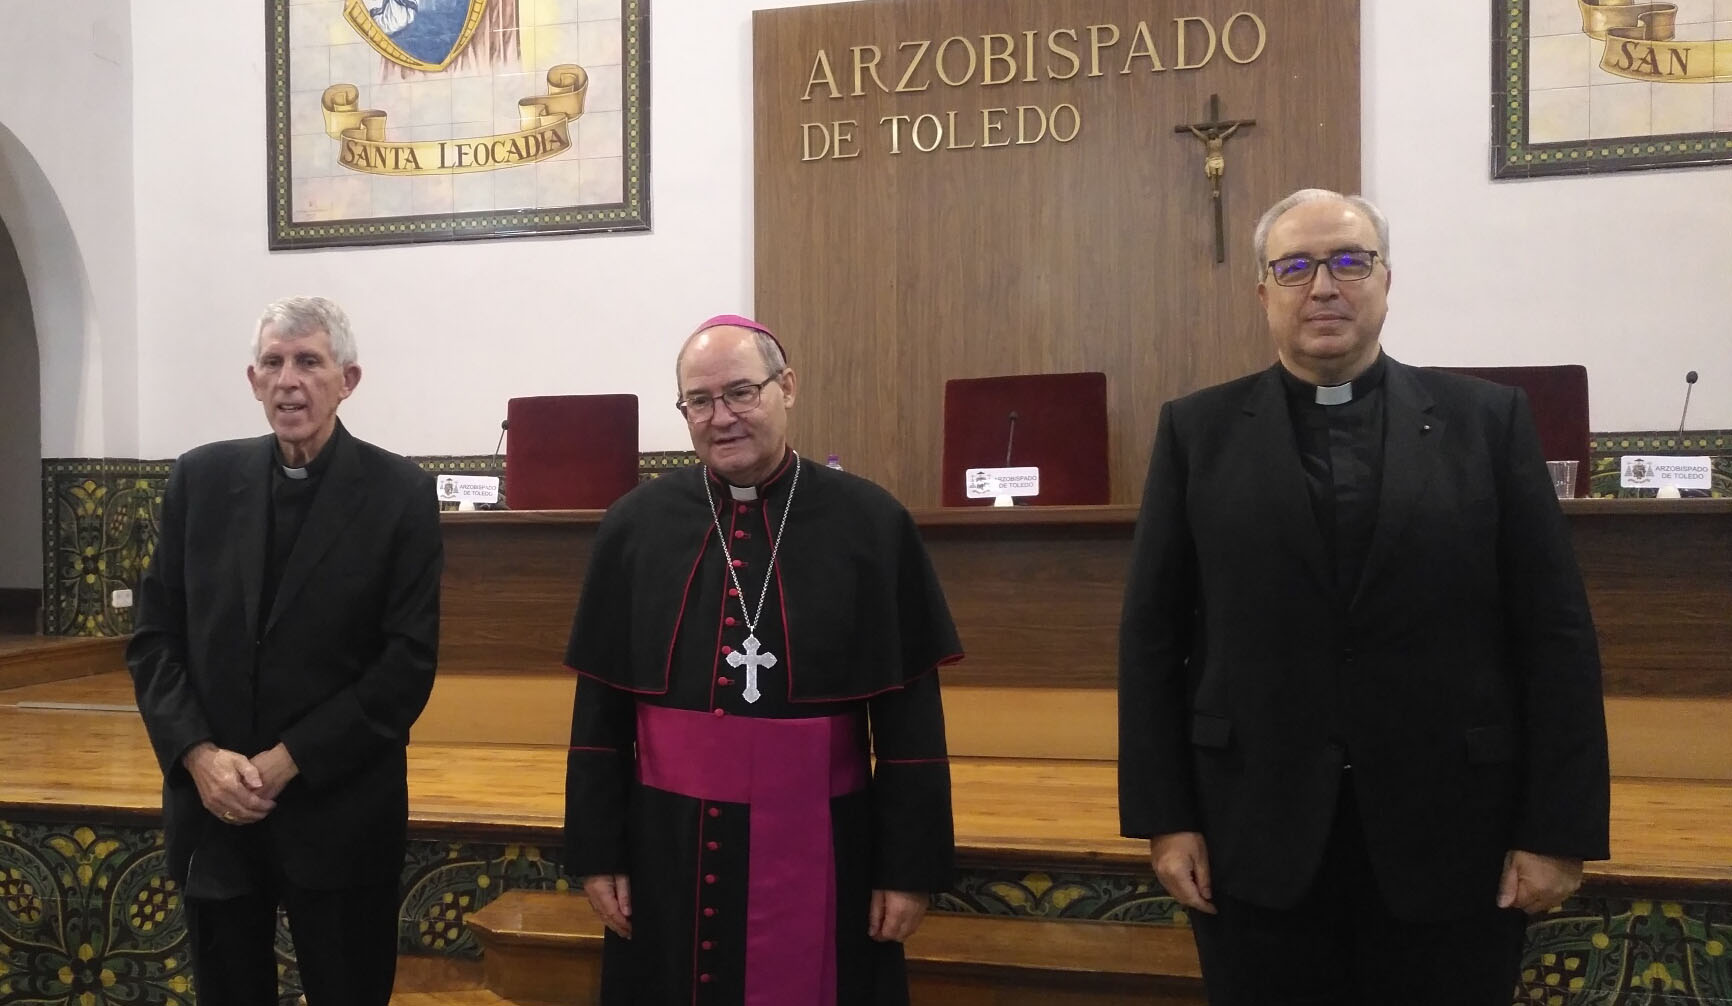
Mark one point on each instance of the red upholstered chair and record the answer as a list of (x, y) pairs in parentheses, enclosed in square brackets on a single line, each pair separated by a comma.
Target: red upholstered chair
[(1061, 428), (1558, 396), (570, 452)]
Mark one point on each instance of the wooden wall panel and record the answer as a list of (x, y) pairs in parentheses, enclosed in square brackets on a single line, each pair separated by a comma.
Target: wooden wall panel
[(1662, 597), (887, 274), (1036, 591), (510, 588)]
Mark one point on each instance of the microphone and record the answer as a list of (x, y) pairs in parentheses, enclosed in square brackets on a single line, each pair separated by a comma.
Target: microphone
[(1673, 492), (1009, 443), (1689, 386), (504, 424)]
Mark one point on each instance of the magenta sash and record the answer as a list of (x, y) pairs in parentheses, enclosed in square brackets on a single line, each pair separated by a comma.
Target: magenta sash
[(787, 771)]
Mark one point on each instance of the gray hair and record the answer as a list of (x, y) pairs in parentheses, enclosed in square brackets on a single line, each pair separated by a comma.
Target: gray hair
[(767, 348), (299, 317), (1260, 240)]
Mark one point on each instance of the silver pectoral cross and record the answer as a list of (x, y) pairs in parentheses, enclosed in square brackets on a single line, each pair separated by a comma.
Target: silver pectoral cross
[(752, 660)]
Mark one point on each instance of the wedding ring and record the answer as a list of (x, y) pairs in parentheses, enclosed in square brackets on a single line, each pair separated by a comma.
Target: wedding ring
[(228, 815)]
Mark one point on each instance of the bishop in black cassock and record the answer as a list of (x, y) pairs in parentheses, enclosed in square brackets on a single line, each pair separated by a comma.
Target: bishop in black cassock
[(757, 791)]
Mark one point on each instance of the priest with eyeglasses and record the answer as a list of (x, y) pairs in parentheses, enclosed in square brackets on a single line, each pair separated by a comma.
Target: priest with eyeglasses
[(758, 791), (1360, 716)]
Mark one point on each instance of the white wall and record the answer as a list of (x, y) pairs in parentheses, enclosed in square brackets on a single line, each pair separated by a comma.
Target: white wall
[(20, 429), (1626, 273), (66, 197)]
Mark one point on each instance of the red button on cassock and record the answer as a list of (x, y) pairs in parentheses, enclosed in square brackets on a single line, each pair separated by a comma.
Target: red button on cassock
[(709, 878), (715, 812), (704, 978), (728, 621), (709, 945), (744, 508), (713, 846), (709, 913), (739, 534), (733, 593), (727, 650), (724, 682), (739, 564), (721, 712)]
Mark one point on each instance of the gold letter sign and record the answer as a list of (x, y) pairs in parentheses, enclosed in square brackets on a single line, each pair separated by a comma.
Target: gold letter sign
[(993, 59)]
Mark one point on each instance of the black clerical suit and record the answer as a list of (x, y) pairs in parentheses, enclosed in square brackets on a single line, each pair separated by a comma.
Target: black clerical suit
[(300, 610), (1356, 655), (859, 626)]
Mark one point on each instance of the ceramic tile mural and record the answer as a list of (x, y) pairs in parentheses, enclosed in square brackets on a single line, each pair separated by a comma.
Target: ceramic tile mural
[(436, 120), (1610, 85)]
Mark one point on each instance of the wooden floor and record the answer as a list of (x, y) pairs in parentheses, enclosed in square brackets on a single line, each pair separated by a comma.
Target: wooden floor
[(1666, 834)]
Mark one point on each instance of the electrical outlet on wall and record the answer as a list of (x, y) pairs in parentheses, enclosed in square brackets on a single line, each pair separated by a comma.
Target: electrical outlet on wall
[(121, 598)]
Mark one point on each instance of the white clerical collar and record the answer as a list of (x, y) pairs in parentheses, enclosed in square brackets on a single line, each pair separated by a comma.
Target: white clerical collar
[(1340, 394), (743, 494), (293, 473)]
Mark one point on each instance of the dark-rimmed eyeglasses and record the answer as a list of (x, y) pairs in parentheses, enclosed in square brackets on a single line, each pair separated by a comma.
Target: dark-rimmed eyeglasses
[(740, 399), (1347, 266)]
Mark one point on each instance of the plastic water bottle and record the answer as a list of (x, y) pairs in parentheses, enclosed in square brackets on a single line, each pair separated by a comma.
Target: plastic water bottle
[(833, 461)]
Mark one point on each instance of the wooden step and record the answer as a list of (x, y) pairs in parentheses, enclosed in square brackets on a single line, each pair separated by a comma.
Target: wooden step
[(34, 660), (540, 945), (469, 997), (547, 945), (463, 997)]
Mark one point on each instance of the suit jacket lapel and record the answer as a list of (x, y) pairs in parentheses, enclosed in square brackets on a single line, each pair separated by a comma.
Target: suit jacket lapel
[(334, 506), (249, 499), (1285, 498), (1412, 436)]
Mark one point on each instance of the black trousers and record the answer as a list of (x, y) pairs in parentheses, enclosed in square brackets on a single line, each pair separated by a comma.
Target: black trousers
[(1341, 946), (345, 945)]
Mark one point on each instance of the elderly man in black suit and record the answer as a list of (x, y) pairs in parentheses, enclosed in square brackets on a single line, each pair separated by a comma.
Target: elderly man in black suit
[(286, 637), (1359, 691)]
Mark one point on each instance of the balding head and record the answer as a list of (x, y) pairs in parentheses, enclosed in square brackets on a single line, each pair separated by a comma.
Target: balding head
[(1359, 204), (735, 391), (767, 346)]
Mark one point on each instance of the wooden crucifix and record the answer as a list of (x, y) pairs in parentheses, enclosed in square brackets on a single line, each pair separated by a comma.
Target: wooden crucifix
[(1214, 134)]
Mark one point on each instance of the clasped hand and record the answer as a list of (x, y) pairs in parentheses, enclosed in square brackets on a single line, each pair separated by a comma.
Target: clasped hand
[(235, 788)]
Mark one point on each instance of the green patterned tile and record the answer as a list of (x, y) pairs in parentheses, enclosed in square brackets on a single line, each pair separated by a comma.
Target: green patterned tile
[(1046, 895), (87, 917), (100, 519)]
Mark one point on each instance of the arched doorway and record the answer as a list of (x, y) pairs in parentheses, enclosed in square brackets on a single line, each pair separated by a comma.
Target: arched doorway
[(46, 342), (20, 449)]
